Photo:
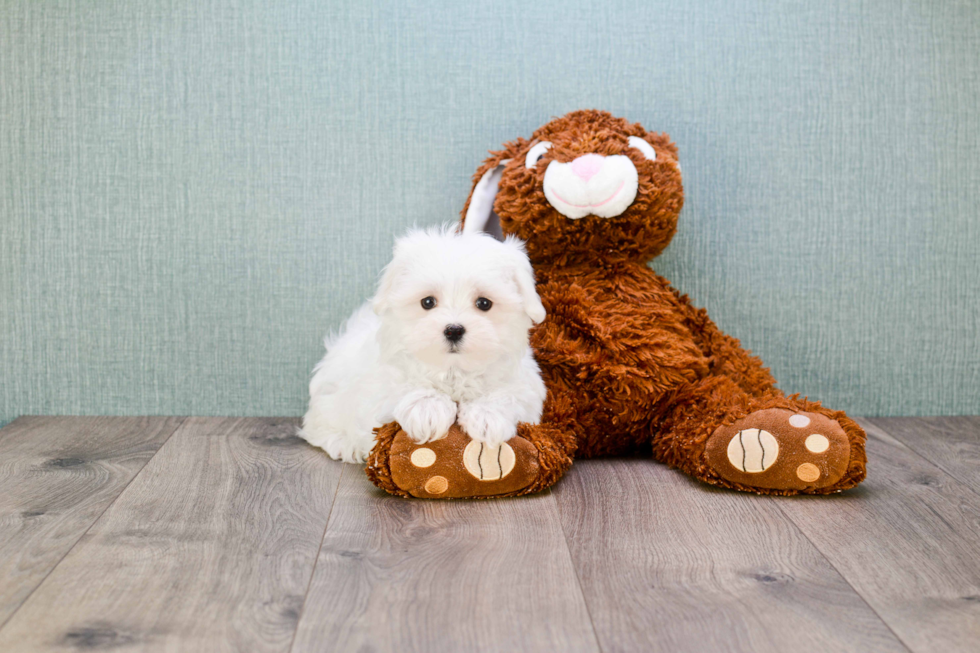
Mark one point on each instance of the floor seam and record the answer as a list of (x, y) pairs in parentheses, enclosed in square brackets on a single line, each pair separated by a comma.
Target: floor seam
[(856, 591), (935, 464), (316, 559), (94, 522), (578, 579)]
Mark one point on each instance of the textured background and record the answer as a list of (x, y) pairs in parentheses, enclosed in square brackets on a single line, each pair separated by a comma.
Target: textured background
[(193, 191)]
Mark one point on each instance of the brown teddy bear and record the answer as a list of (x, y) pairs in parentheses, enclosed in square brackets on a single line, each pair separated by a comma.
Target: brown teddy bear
[(631, 367)]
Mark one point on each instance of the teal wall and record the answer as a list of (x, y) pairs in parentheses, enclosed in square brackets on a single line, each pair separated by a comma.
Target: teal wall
[(193, 191)]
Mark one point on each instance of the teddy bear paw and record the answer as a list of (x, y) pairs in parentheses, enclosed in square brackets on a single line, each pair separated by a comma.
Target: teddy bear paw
[(780, 449), (457, 466)]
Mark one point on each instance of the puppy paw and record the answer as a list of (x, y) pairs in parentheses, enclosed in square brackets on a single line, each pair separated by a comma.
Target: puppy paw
[(338, 445), (347, 453), (425, 415), (485, 424)]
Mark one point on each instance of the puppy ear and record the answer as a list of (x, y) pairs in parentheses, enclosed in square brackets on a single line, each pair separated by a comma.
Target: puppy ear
[(478, 215), (524, 276), (382, 298)]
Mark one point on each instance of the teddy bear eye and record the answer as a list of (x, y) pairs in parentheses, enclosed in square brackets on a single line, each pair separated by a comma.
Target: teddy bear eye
[(535, 153), (644, 147), (483, 303), (429, 303)]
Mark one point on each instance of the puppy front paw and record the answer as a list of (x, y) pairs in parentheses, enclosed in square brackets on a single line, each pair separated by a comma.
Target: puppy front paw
[(425, 415), (486, 424)]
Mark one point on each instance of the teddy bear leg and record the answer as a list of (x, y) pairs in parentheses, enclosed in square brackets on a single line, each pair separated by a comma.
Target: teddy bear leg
[(770, 444), (457, 467)]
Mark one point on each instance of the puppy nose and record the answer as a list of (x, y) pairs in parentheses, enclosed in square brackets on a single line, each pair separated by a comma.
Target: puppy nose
[(454, 332), (587, 166)]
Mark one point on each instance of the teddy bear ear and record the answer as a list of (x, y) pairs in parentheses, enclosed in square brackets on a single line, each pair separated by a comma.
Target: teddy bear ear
[(478, 215)]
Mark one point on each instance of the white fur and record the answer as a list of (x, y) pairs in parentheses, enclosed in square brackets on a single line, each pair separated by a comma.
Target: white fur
[(392, 361)]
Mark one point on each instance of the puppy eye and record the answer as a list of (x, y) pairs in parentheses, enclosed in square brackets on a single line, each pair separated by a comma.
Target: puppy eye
[(429, 303), (483, 303), (644, 147), (535, 153)]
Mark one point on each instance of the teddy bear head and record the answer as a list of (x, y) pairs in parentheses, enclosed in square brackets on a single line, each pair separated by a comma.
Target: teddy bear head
[(584, 187)]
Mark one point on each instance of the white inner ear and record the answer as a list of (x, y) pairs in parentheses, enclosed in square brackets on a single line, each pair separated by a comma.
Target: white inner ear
[(536, 153), (480, 216), (644, 147)]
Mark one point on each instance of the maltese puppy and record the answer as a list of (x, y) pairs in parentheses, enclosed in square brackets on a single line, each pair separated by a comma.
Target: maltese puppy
[(445, 339)]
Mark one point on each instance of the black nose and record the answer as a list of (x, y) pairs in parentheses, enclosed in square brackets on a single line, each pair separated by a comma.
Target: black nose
[(454, 332)]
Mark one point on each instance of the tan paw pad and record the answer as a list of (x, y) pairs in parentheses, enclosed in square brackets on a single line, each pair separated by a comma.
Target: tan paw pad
[(436, 485), (817, 443), (423, 457), (808, 472), (753, 451), (488, 463)]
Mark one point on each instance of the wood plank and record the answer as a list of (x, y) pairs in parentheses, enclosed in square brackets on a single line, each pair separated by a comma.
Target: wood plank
[(400, 574), (57, 475), (670, 564), (950, 443), (211, 548), (908, 540)]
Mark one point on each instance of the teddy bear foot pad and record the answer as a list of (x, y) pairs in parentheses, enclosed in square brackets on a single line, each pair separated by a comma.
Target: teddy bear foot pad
[(780, 449), (457, 467)]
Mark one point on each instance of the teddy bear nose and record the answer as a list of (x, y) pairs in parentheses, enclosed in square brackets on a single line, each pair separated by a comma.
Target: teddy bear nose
[(587, 166), (454, 332)]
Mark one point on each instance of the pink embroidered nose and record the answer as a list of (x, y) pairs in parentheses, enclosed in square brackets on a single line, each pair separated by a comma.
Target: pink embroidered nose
[(586, 167)]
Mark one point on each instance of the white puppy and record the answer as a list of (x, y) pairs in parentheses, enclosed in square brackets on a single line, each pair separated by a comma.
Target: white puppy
[(445, 339)]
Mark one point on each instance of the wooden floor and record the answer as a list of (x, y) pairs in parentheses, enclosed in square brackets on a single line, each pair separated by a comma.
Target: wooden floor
[(210, 534)]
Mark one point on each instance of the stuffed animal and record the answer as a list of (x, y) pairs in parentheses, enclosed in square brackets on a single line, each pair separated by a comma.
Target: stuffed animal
[(631, 367)]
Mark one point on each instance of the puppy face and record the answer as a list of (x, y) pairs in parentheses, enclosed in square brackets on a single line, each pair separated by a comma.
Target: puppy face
[(585, 185), (457, 301)]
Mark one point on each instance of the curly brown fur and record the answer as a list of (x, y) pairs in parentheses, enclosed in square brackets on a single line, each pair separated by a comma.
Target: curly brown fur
[(631, 366)]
